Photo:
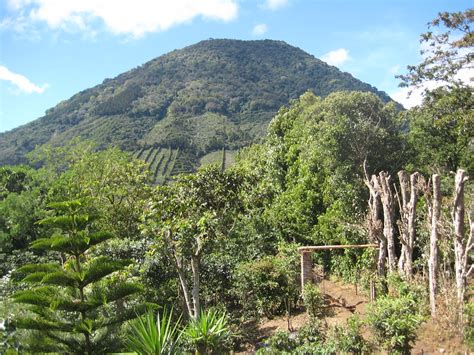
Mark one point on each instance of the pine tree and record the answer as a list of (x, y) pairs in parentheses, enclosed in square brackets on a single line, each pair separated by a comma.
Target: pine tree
[(74, 304)]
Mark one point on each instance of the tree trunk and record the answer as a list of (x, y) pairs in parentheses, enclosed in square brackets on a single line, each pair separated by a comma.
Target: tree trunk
[(408, 219), (460, 249), (434, 214), (411, 223), (195, 262), (375, 221), (184, 286), (388, 229), (403, 223)]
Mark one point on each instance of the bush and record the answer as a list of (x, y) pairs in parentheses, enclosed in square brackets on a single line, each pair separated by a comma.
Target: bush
[(394, 322), (280, 342), (349, 339), (308, 340), (311, 333), (313, 300), (209, 333), (268, 286), (469, 326), (150, 336)]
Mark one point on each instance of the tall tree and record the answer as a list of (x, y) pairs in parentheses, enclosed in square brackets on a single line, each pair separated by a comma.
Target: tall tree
[(407, 203), (72, 302), (189, 217), (462, 245), (445, 54), (434, 211)]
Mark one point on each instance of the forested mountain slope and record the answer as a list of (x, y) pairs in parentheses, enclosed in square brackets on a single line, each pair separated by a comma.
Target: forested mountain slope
[(194, 101)]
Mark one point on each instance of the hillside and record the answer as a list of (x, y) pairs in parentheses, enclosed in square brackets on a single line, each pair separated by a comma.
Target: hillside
[(186, 104)]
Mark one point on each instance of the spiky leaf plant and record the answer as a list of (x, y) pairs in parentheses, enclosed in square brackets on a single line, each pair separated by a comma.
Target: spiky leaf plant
[(74, 305), (150, 336), (209, 332)]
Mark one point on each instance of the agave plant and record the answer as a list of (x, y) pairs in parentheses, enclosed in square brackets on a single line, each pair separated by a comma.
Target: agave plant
[(150, 336), (208, 332)]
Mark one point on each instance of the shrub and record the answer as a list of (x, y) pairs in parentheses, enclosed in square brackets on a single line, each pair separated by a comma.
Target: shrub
[(349, 339), (209, 333), (280, 342), (268, 286), (148, 336), (313, 300), (312, 332), (308, 340), (469, 326), (394, 322)]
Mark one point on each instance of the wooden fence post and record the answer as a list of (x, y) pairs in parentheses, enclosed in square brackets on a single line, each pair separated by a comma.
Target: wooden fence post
[(306, 268)]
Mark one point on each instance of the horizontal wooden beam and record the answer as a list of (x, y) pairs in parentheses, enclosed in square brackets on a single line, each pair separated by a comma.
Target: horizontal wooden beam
[(329, 247)]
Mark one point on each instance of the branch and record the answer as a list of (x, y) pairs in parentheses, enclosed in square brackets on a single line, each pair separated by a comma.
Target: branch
[(469, 271)]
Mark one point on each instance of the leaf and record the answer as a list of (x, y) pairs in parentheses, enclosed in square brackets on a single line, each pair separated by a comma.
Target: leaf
[(45, 267), (39, 324), (60, 278), (101, 267), (99, 237)]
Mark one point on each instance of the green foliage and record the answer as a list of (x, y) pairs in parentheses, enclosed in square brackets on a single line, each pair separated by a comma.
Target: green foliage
[(441, 131), (469, 326), (394, 322), (111, 184), (22, 202), (268, 286), (310, 339), (280, 342), (150, 336), (313, 301), (444, 53), (349, 339), (190, 217), (309, 186), (70, 302), (209, 333)]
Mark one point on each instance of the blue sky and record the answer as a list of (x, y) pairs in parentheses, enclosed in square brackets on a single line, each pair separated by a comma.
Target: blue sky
[(51, 49)]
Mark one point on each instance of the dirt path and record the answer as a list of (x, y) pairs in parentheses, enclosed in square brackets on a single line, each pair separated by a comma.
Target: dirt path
[(342, 301)]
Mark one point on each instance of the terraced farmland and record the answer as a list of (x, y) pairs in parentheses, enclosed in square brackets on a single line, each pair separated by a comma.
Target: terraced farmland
[(166, 162)]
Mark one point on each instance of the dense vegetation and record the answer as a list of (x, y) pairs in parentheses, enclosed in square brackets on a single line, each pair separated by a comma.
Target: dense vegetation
[(214, 252), (212, 95)]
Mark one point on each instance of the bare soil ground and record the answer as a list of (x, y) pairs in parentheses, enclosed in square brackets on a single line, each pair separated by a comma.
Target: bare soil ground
[(342, 301)]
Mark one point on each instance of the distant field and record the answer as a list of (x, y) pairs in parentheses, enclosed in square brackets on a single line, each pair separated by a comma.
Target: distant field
[(166, 162), (216, 157)]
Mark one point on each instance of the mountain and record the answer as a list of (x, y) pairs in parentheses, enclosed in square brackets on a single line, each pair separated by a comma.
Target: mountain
[(181, 109)]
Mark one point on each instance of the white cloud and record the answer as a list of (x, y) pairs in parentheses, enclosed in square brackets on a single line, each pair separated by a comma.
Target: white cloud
[(408, 100), (336, 57), (275, 4), (394, 70), (260, 29), (411, 97), (126, 17), (22, 83)]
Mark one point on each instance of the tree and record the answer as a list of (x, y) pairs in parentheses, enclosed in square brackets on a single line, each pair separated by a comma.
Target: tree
[(72, 302), (116, 185), (462, 245), (109, 183), (434, 212), (188, 217), (445, 54), (22, 202), (407, 204), (314, 158), (441, 132)]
